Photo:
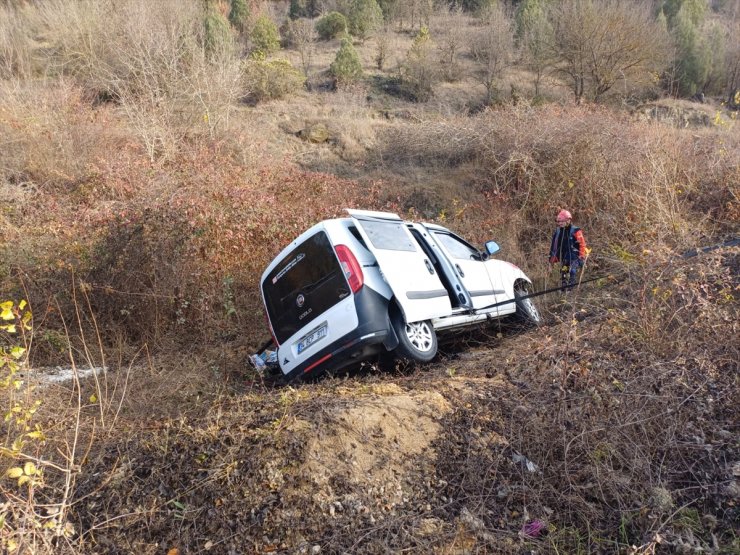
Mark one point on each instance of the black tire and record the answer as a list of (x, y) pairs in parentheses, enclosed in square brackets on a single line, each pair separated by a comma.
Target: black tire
[(416, 341), (526, 310)]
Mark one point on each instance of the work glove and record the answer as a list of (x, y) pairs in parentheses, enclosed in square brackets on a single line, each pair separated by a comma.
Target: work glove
[(553, 260)]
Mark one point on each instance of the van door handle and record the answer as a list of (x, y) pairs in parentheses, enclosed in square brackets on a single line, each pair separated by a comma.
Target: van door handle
[(429, 266), (459, 270)]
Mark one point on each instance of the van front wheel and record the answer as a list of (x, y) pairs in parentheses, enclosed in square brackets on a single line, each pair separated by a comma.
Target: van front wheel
[(416, 341)]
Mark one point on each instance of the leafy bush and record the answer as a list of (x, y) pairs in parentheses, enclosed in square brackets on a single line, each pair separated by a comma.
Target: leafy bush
[(331, 26), (273, 79), (346, 67), (265, 37)]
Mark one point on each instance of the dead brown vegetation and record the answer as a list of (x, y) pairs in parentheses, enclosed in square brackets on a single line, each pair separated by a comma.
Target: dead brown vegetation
[(141, 201)]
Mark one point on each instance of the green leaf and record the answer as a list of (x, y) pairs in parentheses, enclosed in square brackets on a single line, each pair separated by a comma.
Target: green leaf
[(17, 352)]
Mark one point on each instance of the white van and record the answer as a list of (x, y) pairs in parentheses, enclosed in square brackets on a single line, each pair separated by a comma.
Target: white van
[(350, 288)]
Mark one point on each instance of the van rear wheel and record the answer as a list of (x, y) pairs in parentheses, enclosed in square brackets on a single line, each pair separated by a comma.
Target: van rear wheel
[(416, 341)]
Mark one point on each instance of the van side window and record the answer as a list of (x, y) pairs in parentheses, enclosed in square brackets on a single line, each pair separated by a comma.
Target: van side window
[(455, 246), (388, 235), (356, 234)]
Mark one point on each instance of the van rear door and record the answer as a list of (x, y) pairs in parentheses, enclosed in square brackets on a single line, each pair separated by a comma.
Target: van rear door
[(408, 271)]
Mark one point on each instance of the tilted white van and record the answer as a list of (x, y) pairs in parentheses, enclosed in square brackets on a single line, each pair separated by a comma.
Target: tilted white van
[(350, 288)]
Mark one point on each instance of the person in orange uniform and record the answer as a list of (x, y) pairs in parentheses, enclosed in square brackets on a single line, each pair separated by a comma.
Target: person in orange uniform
[(568, 248)]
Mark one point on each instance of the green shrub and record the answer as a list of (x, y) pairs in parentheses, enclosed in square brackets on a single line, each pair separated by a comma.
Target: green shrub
[(331, 26), (265, 36), (269, 80), (346, 67)]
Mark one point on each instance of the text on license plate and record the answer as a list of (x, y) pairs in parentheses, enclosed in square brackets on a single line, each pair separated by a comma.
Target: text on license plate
[(311, 338)]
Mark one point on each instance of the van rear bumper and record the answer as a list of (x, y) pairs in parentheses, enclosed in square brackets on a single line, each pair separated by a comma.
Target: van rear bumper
[(363, 342)]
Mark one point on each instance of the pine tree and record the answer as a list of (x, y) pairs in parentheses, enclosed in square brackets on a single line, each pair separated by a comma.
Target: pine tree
[(419, 70), (217, 37), (239, 15), (529, 13), (346, 67), (365, 16), (303, 8), (692, 64), (695, 10)]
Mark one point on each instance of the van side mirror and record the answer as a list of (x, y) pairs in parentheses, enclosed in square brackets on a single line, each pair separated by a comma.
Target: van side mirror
[(492, 247)]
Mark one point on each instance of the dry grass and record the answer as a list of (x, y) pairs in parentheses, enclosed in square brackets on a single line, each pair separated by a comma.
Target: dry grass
[(163, 224)]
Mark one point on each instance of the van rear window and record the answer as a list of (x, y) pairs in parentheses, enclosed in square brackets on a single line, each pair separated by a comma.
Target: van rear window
[(307, 282)]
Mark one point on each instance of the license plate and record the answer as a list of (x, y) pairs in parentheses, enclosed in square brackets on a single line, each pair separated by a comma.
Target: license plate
[(316, 335)]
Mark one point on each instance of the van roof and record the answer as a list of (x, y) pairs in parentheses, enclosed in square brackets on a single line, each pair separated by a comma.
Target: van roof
[(322, 225)]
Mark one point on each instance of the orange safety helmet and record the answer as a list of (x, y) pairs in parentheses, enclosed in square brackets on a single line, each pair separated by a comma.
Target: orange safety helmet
[(564, 216)]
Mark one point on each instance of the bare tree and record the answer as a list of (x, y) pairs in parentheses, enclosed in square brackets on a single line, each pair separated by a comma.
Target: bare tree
[(450, 35), (537, 54), (599, 42), (493, 47), (302, 34)]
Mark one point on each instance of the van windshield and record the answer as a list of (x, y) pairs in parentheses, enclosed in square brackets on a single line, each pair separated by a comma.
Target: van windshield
[(307, 282)]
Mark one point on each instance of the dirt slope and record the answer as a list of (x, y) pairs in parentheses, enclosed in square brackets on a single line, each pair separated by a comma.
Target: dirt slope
[(576, 428)]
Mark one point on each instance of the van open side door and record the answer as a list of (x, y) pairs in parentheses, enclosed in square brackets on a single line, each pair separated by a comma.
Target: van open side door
[(406, 268)]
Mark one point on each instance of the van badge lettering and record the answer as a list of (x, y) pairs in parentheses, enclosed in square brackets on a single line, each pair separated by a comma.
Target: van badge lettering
[(299, 300), (302, 316)]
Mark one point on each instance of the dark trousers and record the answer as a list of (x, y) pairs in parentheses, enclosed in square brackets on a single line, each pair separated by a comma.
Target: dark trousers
[(569, 272)]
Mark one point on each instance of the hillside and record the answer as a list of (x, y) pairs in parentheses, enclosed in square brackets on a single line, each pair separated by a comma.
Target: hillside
[(147, 177)]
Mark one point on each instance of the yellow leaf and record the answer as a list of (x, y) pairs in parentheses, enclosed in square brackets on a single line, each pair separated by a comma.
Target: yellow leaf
[(10, 328), (23, 480), (17, 352), (15, 472), (6, 310), (93, 398), (29, 468), (22, 305), (38, 434)]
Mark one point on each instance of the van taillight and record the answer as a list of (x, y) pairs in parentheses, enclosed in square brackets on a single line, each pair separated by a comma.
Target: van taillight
[(351, 268)]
